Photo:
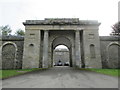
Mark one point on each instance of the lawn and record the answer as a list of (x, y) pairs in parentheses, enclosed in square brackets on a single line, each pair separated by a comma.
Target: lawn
[(112, 72), (9, 73)]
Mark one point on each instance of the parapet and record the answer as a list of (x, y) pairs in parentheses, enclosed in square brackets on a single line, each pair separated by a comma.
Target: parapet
[(61, 21)]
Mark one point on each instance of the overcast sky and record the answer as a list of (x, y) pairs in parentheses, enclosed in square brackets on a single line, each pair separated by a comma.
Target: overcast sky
[(14, 12)]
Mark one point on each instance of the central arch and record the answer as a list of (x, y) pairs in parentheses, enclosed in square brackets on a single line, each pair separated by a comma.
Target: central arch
[(61, 56), (62, 40)]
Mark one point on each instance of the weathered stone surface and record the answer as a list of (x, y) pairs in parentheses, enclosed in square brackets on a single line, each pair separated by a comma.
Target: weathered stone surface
[(60, 28), (45, 49), (12, 38), (60, 21), (31, 52), (88, 41), (104, 42), (6, 57), (110, 48), (77, 49), (38, 45)]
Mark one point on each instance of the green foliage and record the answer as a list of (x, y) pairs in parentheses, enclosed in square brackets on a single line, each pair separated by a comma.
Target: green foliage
[(10, 73), (116, 29), (112, 72), (20, 32), (6, 30)]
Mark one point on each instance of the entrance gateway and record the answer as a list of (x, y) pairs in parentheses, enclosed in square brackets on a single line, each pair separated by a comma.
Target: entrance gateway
[(43, 36)]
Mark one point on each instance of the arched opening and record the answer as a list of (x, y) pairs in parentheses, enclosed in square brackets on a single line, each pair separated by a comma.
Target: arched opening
[(61, 56), (113, 55), (92, 51), (8, 56), (61, 52)]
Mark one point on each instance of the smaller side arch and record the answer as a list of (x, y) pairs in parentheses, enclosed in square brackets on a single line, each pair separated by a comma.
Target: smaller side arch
[(112, 43), (16, 49), (107, 49), (108, 53), (8, 43)]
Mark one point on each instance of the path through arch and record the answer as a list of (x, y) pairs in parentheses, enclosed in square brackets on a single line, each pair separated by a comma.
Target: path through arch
[(61, 40)]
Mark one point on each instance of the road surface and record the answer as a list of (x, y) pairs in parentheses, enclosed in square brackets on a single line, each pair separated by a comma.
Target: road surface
[(61, 77)]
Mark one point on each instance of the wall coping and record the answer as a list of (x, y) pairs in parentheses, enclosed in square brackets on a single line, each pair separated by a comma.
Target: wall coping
[(21, 38), (12, 38), (109, 38)]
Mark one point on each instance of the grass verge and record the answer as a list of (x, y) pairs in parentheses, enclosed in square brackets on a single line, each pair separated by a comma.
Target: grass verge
[(10, 73), (112, 72)]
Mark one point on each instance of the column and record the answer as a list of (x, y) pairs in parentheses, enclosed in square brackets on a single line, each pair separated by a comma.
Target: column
[(45, 50), (77, 49), (73, 56)]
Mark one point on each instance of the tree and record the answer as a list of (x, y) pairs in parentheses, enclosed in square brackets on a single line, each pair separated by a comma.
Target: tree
[(20, 32), (116, 29), (6, 30)]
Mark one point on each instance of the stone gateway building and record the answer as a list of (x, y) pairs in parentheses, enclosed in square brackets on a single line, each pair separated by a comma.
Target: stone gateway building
[(36, 50)]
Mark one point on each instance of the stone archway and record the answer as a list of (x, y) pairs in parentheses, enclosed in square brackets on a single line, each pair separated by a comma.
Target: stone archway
[(41, 34), (9, 55), (62, 40), (112, 55)]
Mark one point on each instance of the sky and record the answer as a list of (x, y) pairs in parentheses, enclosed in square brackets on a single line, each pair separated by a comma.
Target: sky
[(14, 12), (61, 47)]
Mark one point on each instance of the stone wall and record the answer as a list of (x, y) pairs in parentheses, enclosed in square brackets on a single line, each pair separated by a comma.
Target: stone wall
[(110, 49), (12, 52)]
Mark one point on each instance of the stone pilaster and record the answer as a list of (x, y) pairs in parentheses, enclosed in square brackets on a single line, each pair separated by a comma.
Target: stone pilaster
[(45, 49), (31, 52), (77, 49)]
